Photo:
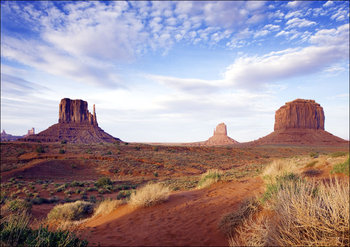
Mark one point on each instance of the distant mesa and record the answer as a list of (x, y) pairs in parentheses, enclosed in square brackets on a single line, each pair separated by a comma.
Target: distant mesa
[(30, 132), (75, 124), (8, 137), (220, 137), (300, 122)]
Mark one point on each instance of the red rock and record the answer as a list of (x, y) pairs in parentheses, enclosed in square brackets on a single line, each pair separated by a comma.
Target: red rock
[(301, 114), (76, 125), (75, 111), (300, 122), (220, 137)]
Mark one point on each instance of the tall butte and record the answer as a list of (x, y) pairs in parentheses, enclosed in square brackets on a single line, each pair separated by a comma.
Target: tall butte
[(75, 124), (300, 122), (220, 137)]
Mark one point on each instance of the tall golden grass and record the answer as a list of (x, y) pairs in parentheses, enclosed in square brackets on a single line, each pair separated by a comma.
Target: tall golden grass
[(107, 206), (149, 195), (304, 213)]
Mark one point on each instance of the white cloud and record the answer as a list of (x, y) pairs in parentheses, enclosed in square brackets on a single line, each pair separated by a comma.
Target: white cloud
[(328, 3), (296, 22), (261, 33), (329, 47), (293, 14)]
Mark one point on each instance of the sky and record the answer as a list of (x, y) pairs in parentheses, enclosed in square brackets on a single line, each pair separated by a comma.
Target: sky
[(170, 71)]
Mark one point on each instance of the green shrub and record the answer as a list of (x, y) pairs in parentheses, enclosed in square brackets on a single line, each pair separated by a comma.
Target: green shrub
[(64, 142), (70, 211), (62, 151), (40, 149), (314, 154), (103, 181), (18, 205), (341, 168), (210, 177), (123, 194), (15, 231), (338, 154)]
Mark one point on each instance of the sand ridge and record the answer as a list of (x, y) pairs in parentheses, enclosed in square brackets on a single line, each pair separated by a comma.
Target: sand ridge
[(188, 218)]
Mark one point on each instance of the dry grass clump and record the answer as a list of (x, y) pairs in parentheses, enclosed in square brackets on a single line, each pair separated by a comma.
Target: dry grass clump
[(304, 213), (149, 195), (107, 206), (70, 211), (279, 168), (210, 177)]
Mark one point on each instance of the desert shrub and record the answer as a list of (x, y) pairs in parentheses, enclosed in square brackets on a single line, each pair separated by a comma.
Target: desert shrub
[(107, 206), (155, 174), (103, 181), (314, 154), (149, 195), (307, 214), (210, 177), (15, 231), (70, 211), (338, 154), (77, 184), (64, 142), (341, 168), (17, 205), (278, 184), (229, 222), (123, 194), (62, 151), (40, 149), (304, 214)]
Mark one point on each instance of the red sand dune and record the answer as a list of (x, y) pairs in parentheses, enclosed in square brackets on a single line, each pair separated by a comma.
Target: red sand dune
[(187, 219)]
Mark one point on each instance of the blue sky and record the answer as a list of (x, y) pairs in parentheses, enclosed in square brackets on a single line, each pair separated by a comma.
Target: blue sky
[(162, 71)]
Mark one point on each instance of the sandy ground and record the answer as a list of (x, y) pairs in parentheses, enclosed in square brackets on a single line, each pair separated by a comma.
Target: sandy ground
[(187, 219)]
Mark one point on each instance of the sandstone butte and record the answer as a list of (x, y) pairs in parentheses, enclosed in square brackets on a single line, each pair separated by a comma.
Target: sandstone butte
[(75, 124), (220, 137), (300, 122)]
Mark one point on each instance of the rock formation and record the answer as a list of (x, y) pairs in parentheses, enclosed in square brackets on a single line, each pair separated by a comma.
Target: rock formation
[(300, 122), (220, 137), (30, 132), (300, 114), (75, 124), (8, 137)]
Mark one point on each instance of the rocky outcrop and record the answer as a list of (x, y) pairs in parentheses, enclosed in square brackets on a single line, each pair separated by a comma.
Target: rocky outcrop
[(300, 122), (220, 137), (75, 124), (76, 111), (8, 137), (300, 114)]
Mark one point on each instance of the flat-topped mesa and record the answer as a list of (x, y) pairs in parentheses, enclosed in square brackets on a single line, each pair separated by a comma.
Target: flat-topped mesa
[(76, 111), (300, 114)]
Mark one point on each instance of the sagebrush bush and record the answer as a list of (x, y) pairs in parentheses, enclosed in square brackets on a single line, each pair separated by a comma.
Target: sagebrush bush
[(70, 211), (103, 181), (210, 177), (149, 195)]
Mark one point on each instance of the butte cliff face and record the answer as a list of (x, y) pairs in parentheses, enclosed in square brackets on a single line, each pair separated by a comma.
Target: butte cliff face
[(300, 114), (75, 124), (300, 122), (220, 137)]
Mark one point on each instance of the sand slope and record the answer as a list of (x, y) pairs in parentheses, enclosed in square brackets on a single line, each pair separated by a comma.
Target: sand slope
[(188, 219)]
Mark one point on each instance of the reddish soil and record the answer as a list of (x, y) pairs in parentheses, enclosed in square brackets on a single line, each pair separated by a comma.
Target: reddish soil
[(187, 219)]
